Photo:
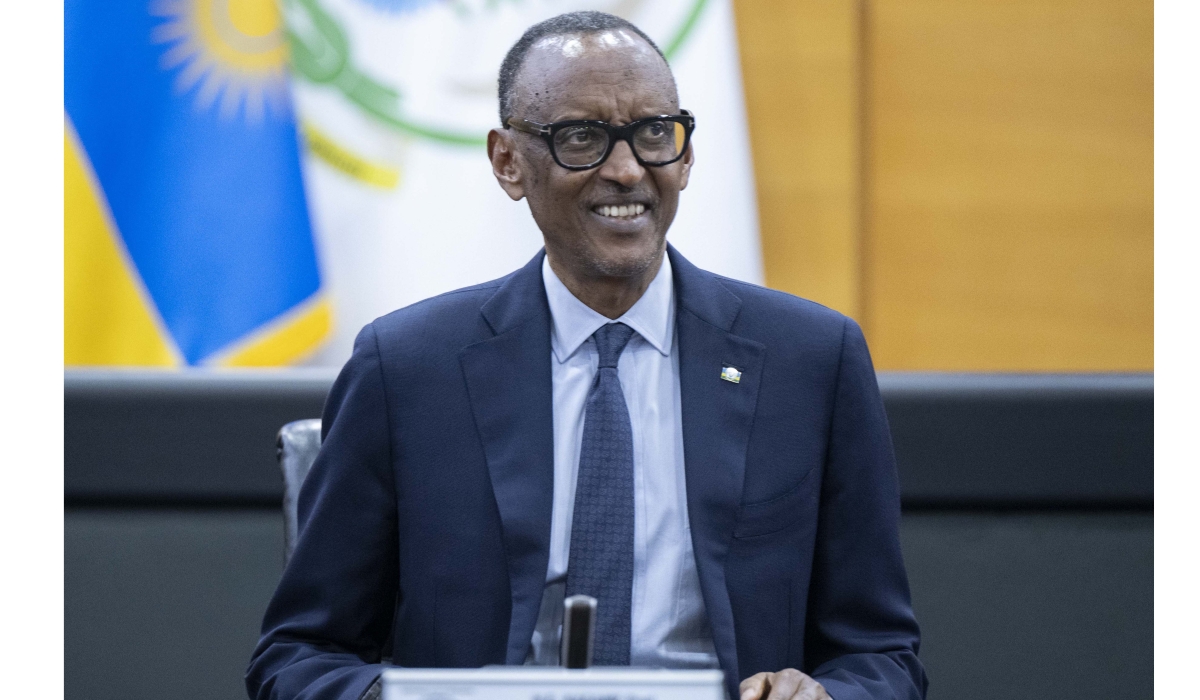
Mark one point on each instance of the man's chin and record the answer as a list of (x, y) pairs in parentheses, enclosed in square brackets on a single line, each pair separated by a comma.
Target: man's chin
[(624, 263)]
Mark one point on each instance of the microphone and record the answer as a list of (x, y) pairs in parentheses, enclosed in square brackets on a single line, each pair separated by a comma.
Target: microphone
[(579, 631)]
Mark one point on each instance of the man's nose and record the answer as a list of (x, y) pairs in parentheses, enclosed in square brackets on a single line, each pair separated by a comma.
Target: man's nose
[(622, 167)]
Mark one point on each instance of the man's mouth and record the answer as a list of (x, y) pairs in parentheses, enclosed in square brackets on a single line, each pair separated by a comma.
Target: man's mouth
[(623, 211)]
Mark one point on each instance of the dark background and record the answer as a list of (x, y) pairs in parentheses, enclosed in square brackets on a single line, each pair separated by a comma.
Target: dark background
[(1027, 529)]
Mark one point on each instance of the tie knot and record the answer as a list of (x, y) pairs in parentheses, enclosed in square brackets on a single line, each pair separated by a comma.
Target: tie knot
[(611, 339)]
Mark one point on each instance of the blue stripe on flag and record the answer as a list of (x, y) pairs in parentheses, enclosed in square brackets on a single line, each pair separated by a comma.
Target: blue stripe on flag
[(210, 205)]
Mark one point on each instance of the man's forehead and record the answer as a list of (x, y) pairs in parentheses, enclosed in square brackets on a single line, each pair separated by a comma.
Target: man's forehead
[(582, 61), (560, 56)]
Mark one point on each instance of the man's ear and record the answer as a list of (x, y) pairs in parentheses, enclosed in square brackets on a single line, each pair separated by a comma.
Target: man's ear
[(506, 165), (688, 159)]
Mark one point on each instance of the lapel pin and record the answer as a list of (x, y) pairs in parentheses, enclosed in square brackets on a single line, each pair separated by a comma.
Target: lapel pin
[(731, 374)]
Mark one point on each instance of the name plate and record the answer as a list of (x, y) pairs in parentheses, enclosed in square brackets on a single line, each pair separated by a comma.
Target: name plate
[(551, 683)]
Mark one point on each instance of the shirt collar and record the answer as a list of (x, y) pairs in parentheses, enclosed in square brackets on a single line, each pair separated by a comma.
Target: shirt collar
[(573, 322)]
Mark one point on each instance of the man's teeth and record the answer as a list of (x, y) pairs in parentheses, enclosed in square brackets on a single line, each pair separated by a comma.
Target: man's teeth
[(624, 210)]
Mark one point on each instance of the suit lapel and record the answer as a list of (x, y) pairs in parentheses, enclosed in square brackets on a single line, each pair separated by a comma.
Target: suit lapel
[(717, 418), (509, 382)]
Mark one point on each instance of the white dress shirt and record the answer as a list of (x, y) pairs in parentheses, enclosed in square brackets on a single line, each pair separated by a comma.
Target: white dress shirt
[(669, 623)]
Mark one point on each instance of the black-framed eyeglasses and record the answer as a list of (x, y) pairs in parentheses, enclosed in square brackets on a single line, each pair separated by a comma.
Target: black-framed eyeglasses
[(579, 144)]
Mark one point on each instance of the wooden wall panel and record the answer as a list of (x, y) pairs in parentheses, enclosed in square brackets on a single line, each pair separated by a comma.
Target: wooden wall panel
[(800, 69), (1009, 192)]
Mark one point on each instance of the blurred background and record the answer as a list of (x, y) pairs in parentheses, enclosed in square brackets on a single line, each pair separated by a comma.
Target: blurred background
[(972, 181), (248, 182)]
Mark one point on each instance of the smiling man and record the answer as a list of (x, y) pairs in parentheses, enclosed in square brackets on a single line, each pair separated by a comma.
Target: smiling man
[(708, 459)]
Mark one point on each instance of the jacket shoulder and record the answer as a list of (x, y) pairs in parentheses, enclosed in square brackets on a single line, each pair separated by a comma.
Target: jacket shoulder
[(452, 317), (776, 312)]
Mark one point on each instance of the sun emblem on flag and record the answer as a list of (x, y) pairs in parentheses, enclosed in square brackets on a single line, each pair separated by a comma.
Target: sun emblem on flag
[(231, 53)]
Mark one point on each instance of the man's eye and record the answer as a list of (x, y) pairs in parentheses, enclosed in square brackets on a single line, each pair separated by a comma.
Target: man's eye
[(579, 136), (656, 129)]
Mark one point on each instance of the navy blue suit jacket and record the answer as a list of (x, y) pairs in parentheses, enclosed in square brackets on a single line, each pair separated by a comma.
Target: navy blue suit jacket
[(425, 522)]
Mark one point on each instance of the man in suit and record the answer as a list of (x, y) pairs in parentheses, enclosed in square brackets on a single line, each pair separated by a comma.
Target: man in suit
[(708, 458)]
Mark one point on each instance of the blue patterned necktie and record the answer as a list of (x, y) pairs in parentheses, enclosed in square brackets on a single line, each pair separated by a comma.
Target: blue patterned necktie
[(601, 559)]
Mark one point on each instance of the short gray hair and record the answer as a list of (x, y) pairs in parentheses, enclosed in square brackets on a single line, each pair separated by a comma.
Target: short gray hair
[(570, 23)]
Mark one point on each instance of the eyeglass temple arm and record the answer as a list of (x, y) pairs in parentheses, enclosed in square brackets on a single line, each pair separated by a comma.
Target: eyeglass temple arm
[(527, 126)]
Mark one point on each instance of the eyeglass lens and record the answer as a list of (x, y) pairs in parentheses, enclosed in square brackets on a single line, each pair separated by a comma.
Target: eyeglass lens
[(653, 142)]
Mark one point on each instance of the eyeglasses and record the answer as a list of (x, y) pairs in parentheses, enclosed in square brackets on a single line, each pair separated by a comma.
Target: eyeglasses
[(580, 144)]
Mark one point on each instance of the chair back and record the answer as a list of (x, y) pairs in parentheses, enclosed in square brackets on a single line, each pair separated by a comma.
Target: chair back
[(296, 446)]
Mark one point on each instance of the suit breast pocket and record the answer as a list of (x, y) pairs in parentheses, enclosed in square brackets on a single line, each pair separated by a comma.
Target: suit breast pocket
[(779, 513)]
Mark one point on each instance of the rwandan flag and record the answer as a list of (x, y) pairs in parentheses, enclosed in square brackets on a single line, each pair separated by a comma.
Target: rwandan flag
[(187, 236)]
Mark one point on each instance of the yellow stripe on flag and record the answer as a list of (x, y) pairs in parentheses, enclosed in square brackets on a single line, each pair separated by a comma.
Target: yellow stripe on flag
[(107, 319), (348, 162), (289, 338)]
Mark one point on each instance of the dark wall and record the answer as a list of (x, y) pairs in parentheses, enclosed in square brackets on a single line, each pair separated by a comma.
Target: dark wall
[(1027, 529), (1033, 604), (166, 602)]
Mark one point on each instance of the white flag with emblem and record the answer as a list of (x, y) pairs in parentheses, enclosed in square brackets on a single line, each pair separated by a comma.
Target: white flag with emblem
[(395, 99)]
